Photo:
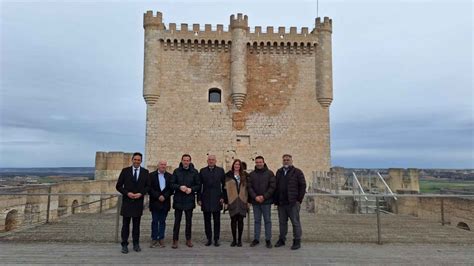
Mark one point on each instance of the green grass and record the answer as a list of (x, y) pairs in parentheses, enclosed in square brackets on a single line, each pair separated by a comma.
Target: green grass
[(433, 186)]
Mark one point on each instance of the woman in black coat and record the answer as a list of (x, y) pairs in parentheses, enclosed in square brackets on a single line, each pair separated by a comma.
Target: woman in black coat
[(236, 198)]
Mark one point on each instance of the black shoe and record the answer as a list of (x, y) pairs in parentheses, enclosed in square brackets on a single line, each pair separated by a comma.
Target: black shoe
[(137, 248), (279, 243), (124, 249), (208, 243), (296, 244), (254, 243), (239, 244), (216, 243), (268, 244), (233, 244)]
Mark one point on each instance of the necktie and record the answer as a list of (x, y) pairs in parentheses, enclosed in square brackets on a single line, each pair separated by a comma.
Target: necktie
[(136, 174)]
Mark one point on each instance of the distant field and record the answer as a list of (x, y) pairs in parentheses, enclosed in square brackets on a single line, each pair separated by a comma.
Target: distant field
[(432, 186)]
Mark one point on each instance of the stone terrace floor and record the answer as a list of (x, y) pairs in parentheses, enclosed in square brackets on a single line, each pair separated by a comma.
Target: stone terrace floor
[(328, 239), (310, 253)]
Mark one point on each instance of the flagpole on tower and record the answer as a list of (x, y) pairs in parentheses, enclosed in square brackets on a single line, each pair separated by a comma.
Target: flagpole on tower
[(317, 8)]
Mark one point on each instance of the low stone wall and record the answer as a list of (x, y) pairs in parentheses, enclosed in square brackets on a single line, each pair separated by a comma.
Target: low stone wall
[(456, 210), (333, 205), (27, 209)]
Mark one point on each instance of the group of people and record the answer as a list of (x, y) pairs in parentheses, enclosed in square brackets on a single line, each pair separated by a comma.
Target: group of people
[(215, 191)]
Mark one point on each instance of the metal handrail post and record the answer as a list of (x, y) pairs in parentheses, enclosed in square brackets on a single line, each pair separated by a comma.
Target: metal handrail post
[(379, 226), (48, 207), (442, 212), (248, 225), (100, 206), (117, 218)]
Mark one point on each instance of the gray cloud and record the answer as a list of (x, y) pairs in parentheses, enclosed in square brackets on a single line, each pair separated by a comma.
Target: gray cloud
[(71, 77)]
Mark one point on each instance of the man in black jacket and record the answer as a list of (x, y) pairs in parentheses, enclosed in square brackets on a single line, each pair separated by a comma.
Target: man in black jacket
[(211, 197), (261, 185), (291, 187), (160, 194), (132, 184), (185, 184)]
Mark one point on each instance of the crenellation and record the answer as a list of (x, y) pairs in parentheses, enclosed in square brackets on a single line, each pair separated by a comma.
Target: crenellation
[(172, 27), (325, 25), (240, 22), (220, 34), (153, 22)]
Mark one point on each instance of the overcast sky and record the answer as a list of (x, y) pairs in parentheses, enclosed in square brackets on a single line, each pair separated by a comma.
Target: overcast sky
[(71, 77)]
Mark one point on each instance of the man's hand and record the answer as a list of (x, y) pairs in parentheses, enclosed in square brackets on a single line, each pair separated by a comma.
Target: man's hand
[(221, 201), (199, 202), (259, 199), (188, 190), (183, 188), (161, 198), (138, 195), (131, 195)]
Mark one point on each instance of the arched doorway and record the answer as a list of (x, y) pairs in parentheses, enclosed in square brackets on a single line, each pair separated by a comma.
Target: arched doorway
[(75, 203), (464, 226), (11, 221)]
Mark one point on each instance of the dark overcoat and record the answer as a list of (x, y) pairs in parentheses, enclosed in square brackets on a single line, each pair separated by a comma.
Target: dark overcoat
[(127, 183)]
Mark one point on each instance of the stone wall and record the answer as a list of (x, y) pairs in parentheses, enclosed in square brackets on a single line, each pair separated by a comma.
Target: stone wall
[(109, 164), (330, 204), (274, 99), (28, 209), (456, 210)]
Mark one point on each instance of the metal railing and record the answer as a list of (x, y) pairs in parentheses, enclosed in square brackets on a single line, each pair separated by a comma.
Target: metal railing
[(377, 197), (359, 186), (325, 181), (101, 205), (386, 186)]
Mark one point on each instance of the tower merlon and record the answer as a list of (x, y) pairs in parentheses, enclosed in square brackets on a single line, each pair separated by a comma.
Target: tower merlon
[(151, 21), (241, 22), (325, 25)]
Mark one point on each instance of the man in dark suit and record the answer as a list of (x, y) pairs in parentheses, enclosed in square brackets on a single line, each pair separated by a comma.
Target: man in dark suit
[(211, 197), (132, 184), (160, 192)]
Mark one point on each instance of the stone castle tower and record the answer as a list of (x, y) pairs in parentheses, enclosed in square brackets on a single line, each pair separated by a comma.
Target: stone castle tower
[(237, 93)]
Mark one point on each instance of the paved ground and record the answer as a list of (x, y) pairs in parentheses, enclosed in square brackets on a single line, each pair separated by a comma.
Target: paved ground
[(353, 228), (328, 239), (311, 253)]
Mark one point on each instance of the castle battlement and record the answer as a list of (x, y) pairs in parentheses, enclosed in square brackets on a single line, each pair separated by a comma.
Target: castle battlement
[(151, 21), (325, 25), (241, 22), (186, 34)]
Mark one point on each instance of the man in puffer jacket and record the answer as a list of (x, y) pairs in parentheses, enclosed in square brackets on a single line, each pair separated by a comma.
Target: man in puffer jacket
[(291, 187), (261, 186), (185, 183)]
